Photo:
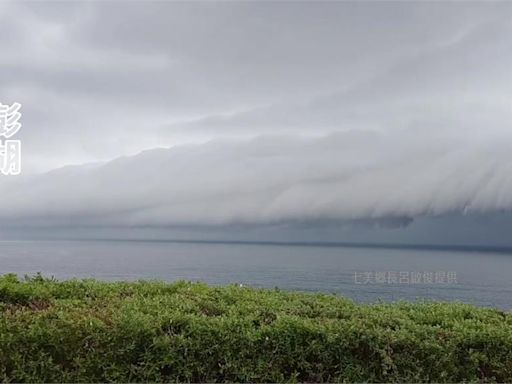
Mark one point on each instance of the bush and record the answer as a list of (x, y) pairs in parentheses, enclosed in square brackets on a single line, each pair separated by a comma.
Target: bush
[(90, 331)]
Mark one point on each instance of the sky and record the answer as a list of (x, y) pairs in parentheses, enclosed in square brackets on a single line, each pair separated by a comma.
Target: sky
[(220, 114)]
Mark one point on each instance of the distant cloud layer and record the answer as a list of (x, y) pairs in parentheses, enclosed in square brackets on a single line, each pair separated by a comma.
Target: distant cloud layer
[(257, 112), (271, 179)]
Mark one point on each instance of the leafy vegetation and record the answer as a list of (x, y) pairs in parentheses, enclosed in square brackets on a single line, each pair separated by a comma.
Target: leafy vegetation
[(90, 331)]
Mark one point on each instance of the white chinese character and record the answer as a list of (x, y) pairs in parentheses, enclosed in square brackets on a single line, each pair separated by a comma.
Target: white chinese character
[(428, 277), (380, 277), (416, 277), (440, 277), (368, 277), (404, 277), (451, 277), (9, 117), (10, 157), (392, 277)]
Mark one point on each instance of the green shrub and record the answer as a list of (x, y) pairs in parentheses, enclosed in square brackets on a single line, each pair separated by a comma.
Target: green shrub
[(90, 331)]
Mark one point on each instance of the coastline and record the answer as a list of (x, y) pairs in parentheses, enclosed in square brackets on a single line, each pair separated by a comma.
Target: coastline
[(150, 331)]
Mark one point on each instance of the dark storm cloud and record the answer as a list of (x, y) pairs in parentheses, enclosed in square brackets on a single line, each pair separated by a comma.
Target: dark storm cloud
[(350, 176), (381, 109)]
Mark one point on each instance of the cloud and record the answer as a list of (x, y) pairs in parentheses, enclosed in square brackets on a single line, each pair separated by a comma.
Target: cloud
[(98, 81), (272, 179), (256, 113)]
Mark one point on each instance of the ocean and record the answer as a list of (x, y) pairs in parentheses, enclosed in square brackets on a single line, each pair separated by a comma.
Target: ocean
[(363, 273)]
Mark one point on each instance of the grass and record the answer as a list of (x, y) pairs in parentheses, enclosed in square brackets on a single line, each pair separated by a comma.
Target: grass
[(90, 331)]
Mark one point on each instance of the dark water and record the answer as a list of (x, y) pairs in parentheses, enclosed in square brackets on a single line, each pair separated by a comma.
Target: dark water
[(364, 274)]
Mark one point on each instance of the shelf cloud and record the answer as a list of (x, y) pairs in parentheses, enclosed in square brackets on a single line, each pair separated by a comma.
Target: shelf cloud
[(221, 113), (270, 179)]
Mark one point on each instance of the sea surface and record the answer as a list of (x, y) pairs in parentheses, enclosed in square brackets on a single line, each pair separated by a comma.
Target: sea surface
[(365, 274)]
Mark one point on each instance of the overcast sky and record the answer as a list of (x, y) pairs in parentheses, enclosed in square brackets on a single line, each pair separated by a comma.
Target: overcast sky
[(262, 111)]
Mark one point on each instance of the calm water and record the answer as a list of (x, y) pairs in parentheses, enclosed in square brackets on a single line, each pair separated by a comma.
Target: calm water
[(364, 274)]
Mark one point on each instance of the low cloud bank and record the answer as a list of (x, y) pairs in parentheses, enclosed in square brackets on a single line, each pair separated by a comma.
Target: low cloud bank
[(271, 179)]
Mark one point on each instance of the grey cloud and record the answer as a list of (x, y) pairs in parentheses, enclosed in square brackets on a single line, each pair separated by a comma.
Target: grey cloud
[(93, 75), (462, 86), (271, 179), (296, 112)]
